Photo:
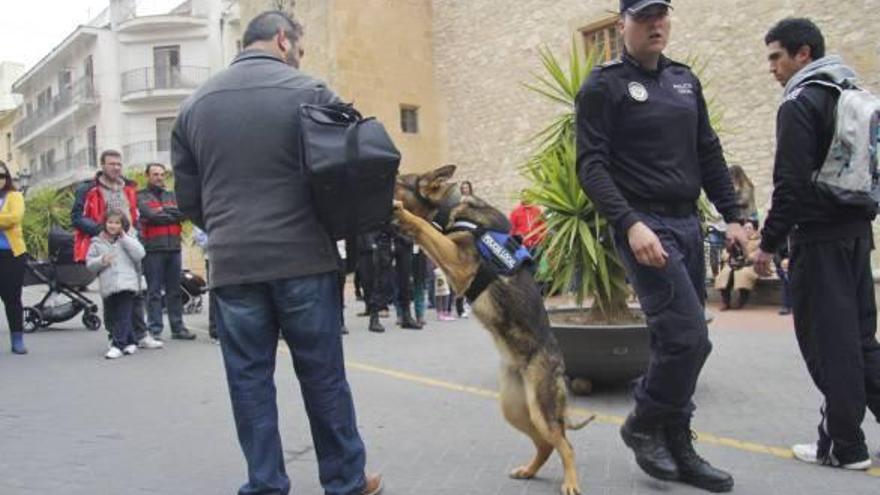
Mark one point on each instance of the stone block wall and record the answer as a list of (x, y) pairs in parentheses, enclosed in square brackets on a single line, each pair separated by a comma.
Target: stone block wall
[(484, 50), (378, 54)]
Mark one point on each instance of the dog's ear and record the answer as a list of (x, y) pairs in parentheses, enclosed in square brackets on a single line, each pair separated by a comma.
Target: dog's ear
[(440, 175)]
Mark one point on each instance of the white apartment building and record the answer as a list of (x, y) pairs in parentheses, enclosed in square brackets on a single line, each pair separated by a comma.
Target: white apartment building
[(117, 83), (9, 103)]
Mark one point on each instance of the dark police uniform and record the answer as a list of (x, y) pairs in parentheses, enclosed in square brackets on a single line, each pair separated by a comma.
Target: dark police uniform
[(645, 150)]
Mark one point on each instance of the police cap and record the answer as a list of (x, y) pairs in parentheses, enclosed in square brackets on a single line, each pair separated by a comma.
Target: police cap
[(633, 7)]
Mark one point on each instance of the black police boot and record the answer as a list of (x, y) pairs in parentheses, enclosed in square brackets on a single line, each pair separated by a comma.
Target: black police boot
[(692, 468), (647, 439), (407, 321), (375, 325)]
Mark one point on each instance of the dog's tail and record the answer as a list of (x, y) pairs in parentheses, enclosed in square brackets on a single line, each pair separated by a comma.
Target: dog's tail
[(572, 424)]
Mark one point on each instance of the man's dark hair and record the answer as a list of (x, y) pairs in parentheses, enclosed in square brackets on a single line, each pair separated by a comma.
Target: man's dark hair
[(151, 165), (793, 33), (264, 27), (106, 153)]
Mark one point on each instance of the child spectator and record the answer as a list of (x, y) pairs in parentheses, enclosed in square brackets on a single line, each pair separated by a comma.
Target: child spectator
[(443, 293), (116, 257)]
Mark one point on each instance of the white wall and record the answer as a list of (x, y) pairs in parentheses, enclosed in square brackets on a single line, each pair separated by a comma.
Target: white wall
[(119, 124)]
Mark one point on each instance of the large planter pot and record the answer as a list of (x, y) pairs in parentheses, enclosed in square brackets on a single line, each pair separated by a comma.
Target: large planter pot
[(602, 354)]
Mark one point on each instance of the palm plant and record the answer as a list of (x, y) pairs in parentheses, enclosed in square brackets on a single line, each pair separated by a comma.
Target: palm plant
[(44, 209), (576, 247)]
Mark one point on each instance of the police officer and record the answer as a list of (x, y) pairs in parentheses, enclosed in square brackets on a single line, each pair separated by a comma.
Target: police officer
[(403, 269), (371, 278), (645, 149)]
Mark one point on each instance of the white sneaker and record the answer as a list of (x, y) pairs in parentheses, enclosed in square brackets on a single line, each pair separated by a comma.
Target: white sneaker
[(130, 349), (148, 342), (807, 452), (113, 353)]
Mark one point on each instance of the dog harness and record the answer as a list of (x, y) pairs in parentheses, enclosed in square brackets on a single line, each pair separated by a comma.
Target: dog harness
[(500, 254)]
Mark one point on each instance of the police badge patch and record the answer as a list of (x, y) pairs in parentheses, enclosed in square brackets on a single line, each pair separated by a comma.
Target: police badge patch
[(638, 92)]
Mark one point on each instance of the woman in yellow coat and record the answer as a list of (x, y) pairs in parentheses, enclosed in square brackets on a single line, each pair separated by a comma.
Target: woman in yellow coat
[(12, 257)]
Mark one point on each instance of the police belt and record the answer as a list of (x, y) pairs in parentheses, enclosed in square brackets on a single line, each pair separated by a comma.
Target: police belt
[(666, 208)]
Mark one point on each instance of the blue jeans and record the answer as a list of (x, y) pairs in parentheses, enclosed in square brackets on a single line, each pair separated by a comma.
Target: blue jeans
[(162, 271), (307, 311)]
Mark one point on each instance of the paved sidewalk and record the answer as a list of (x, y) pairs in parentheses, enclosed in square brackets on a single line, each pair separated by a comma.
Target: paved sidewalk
[(159, 422)]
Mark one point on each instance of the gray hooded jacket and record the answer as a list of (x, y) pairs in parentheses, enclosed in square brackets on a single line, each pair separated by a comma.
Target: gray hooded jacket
[(124, 272), (830, 68)]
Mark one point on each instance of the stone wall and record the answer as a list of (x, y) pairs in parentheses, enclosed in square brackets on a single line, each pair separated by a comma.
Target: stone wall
[(378, 56), (485, 49), (384, 59)]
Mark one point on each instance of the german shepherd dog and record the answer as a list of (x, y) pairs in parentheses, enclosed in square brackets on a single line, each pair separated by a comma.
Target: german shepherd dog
[(533, 388)]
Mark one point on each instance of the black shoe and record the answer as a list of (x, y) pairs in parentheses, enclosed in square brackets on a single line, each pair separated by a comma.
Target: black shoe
[(407, 321), (692, 468), (648, 442), (375, 326), (183, 335)]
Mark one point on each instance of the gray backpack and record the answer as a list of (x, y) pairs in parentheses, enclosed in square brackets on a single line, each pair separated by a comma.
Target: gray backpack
[(850, 173)]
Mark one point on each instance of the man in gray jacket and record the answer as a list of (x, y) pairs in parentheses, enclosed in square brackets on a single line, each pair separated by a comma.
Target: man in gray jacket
[(238, 175)]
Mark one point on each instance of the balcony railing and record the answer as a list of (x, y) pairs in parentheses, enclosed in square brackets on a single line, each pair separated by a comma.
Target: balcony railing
[(159, 78), (81, 161), (80, 92), (143, 152), (147, 8)]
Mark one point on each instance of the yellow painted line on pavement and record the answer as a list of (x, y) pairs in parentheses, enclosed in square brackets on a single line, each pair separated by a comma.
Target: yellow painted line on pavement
[(422, 380), (707, 438)]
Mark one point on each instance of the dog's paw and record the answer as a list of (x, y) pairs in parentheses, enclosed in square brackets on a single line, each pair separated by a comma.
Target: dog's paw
[(570, 489), (522, 473)]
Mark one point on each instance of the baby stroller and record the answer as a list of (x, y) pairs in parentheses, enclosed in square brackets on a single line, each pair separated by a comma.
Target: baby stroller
[(65, 280), (192, 288)]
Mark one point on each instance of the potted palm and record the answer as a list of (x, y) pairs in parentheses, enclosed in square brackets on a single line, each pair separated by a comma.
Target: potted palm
[(44, 209), (606, 341)]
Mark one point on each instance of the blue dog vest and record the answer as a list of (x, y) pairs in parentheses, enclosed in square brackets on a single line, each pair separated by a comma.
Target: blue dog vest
[(500, 253)]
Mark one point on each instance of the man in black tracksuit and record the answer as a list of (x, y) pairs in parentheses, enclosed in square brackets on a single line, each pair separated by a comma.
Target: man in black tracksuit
[(832, 286), (645, 149)]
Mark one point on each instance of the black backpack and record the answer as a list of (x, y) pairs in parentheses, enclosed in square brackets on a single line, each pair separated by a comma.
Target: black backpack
[(351, 166)]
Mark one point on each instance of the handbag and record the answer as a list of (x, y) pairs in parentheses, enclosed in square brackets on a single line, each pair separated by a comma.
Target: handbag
[(350, 164)]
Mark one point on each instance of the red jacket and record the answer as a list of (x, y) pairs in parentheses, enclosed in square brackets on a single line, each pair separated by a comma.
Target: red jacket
[(88, 211), (525, 219)]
